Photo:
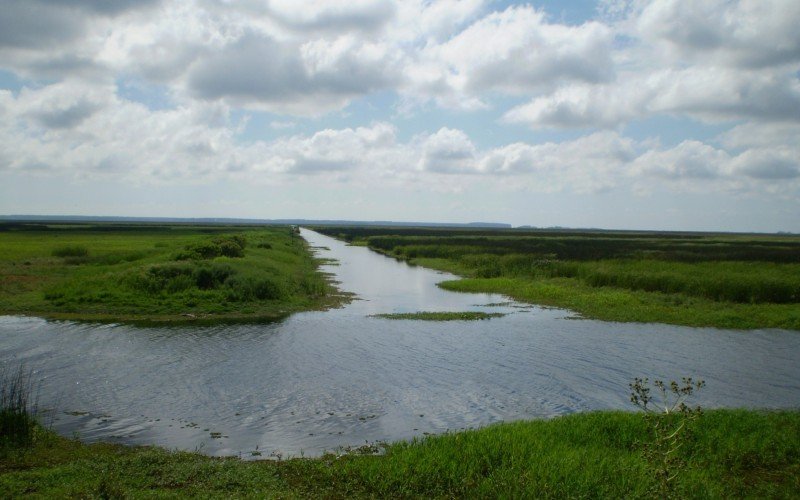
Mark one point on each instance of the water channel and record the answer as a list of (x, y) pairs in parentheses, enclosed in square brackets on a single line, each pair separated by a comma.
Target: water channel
[(325, 380)]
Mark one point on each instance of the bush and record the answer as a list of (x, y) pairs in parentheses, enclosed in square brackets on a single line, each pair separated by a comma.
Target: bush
[(169, 277), (179, 283), (266, 289), (248, 289), (71, 251), (230, 249), (209, 277), (228, 246)]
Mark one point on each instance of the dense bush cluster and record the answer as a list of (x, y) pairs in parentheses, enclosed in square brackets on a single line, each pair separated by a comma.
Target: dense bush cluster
[(222, 246), (244, 289), (179, 277), (70, 251)]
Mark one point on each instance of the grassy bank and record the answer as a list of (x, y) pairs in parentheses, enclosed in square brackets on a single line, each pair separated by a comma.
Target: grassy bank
[(155, 273), (728, 281), (730, 453)]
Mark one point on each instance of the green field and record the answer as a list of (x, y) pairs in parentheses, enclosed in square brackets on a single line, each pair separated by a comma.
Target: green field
[(727, 454), (154, 273), (719, 280)]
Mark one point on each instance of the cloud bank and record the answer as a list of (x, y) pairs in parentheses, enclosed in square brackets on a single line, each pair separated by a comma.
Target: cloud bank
[(572, 92)]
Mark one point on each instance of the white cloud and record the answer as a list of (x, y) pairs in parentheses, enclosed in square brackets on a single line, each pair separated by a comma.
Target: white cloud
[(748, 33), (85, 130), (688, 160), (333, 150), (257, 71), (332, 15), (588, 164), (515, 51), (64, 105), (579, 106), (695, 166), (760, 135), (448, 151), (768, 164), (434, 21), (710, 94)]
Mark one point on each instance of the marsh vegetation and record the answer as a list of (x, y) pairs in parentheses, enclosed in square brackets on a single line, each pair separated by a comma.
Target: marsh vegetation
[(726, 454), (730, 281), (157, 272), (18, 408)]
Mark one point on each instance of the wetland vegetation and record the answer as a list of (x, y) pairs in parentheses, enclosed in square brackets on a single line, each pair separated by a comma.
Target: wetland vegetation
[(722, 452), (152, 273), (726, 454), (720, 280)]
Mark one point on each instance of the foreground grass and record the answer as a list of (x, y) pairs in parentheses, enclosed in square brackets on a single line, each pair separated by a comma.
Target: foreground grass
[(441, 316), (726, 281), (731, 453), (155, 273)]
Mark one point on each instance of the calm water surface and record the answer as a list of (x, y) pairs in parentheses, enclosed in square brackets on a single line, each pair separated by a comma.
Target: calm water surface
[(322, 380)]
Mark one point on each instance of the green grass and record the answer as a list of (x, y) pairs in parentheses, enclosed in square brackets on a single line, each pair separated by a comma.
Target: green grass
[(17, 408), (614, 304), (158, 273), (692, 279), (441, 316), (729, 454)]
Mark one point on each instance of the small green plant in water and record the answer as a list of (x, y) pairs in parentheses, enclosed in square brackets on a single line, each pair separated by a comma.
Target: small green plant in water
[(17, 408), (668, 420)]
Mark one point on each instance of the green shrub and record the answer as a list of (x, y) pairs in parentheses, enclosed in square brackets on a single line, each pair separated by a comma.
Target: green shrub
[(171, 277), (228, 246), (199, 251), (248, 289), (230, 249), (179, 283), (237, 289), (71, 251), (209, 277), (266, 289)]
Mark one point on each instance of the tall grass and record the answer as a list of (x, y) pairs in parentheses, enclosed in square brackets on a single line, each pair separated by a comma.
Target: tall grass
[(17, 407)]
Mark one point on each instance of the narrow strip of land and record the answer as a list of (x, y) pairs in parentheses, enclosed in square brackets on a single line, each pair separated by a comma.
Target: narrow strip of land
[(716, 280), (441, 315), (158, 273)]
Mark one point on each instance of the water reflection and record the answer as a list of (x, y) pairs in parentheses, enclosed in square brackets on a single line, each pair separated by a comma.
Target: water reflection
[(320, 380)]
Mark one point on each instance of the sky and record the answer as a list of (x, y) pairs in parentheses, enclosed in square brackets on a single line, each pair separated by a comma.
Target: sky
[(617, 114)]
